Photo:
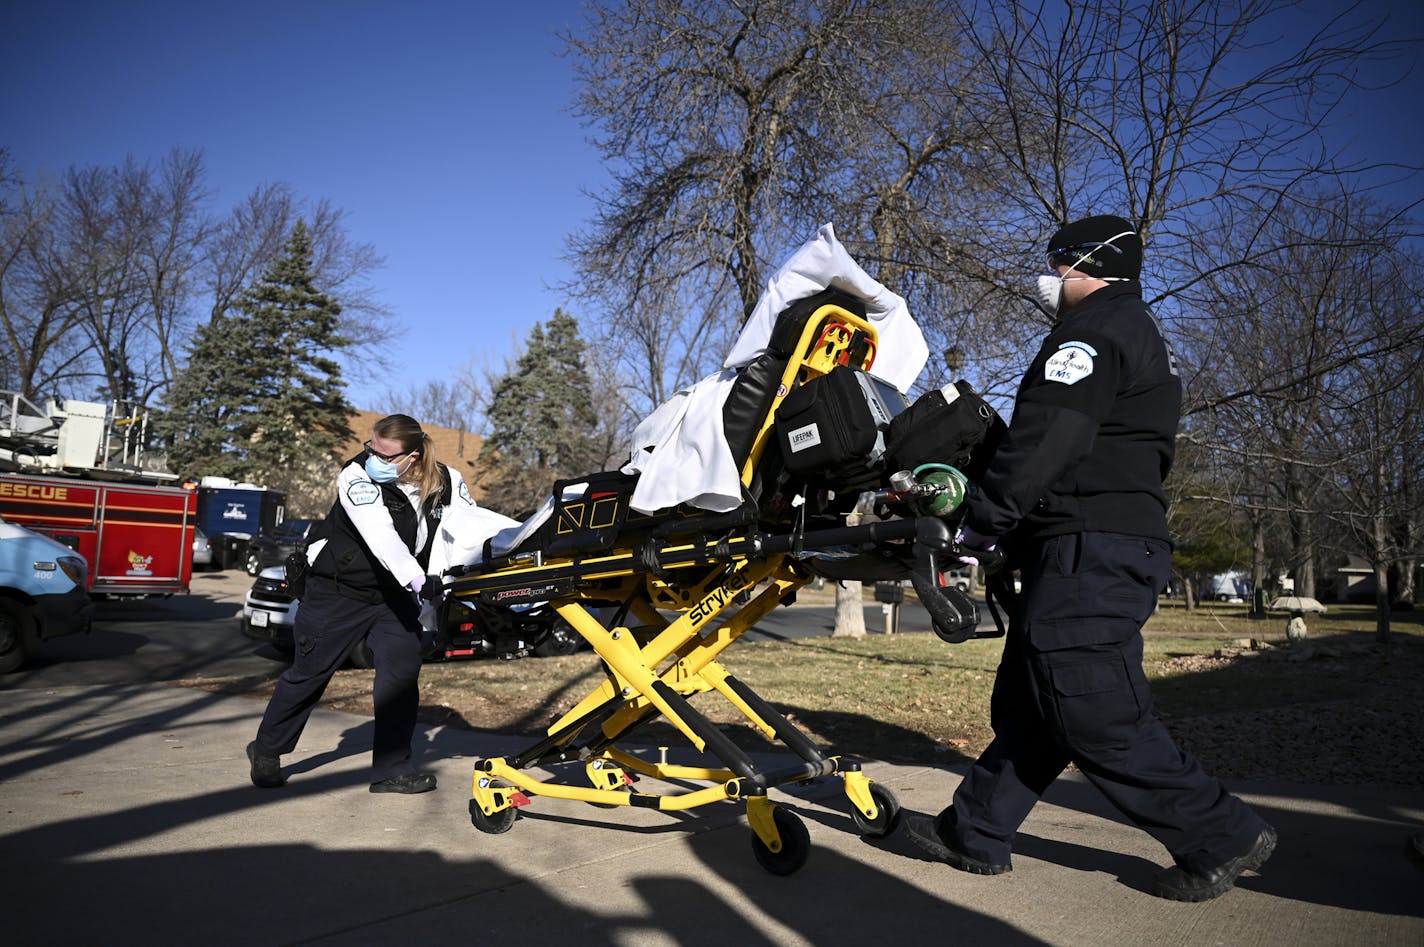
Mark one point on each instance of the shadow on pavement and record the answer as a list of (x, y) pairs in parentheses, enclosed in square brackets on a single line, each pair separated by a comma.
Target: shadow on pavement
[(179, 870), (186, 866)]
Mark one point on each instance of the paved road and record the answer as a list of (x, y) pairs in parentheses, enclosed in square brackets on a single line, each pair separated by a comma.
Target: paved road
[(127, 818), (157, 639), (128, 806), (197, 635)]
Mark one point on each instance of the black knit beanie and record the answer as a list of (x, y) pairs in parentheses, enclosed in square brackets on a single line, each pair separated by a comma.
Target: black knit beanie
[(1101, 246)]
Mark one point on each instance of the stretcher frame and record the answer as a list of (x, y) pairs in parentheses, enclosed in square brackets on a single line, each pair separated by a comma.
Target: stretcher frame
[(733, 567)]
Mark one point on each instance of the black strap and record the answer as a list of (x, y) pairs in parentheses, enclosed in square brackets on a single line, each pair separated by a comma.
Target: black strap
[(999, 590)]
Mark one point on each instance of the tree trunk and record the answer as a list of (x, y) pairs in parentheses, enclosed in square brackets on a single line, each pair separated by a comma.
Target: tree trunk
[(1305, 557), (850, 610), (1381, 565), (1406, 591), (1382, 607), (1258, 567)]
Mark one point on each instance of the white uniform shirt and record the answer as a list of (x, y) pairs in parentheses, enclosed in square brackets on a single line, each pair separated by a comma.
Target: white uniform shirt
[(361, 499)]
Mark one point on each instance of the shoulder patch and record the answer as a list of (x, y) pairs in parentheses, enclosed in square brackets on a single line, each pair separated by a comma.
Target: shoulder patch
[(1080, 345), (464, 492), (1070, 364), (363, 493)]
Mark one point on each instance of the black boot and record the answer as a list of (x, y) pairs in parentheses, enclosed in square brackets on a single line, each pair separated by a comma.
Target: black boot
[(925, 832), (1178, 884), (266, 770)]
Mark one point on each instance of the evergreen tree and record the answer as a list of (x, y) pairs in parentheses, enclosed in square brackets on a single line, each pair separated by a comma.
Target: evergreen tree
[(209, 403), (542, 422), (261, 398), (1210, 538)]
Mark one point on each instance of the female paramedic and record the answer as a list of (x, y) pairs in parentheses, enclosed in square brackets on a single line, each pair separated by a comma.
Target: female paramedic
[(364, 580)]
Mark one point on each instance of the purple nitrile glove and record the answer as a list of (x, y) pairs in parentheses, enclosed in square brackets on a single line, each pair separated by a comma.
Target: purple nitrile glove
[(973, 546), (428, 588)]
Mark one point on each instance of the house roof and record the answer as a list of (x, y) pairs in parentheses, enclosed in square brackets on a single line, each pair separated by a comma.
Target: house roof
[(1356, 564)]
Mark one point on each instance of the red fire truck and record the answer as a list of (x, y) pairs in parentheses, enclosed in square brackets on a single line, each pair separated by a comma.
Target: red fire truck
[(136, 537)]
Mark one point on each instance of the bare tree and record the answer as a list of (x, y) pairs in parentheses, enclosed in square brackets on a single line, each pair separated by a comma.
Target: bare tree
[(244, 242), (721, 121), (945, 141), (1187, 119), (104, 274), (124, 244), (39, 337), (100, 214), (1369, 406), (1283, 401), (169, 248)]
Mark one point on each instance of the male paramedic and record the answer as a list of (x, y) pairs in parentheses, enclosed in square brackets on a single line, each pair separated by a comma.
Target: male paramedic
[(1074, 496)]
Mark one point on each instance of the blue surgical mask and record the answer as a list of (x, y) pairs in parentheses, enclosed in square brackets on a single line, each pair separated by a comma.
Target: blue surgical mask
[(381, 471)]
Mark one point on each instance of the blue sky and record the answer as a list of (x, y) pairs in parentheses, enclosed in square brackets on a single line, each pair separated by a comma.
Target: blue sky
[(440, 126)]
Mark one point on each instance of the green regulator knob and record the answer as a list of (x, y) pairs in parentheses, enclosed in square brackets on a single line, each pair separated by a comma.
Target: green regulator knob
[(939, 490)]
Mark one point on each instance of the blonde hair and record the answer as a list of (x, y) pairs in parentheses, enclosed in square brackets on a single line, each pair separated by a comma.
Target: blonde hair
[(406, 430)]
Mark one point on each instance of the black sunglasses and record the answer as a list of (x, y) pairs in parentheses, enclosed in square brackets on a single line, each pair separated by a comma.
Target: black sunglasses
[(1077, 253), (388, 458)]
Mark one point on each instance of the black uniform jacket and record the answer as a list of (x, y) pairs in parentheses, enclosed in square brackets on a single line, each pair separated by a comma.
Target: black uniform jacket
[(346, 557), (1092, 436)]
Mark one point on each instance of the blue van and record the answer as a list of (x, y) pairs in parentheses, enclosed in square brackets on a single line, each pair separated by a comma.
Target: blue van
[(43, 592)]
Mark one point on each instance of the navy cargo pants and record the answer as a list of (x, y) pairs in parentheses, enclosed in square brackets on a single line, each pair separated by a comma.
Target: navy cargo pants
[(330, 621), (1070, 689)]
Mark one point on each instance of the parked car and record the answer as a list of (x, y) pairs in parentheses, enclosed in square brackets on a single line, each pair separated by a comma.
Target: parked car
[(202, 550), (470, 632), (269, 611), (960, 579), (42, 592), (271, 548), (1229, 587)]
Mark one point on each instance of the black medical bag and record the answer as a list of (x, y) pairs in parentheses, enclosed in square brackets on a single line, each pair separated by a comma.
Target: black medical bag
[(832, 430), (962, 431)]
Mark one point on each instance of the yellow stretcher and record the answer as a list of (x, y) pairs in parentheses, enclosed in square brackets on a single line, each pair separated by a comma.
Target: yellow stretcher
[(681, 589)]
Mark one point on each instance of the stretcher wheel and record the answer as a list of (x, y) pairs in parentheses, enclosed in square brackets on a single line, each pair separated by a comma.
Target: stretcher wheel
[(795, 844), (885, 821), (497, 824)]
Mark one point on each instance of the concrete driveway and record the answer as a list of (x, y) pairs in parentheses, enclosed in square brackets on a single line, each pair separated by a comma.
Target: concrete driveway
[(126, 817)]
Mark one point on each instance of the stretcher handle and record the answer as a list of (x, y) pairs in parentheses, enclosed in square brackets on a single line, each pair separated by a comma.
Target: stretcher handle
[(842, 536), (953, 614)]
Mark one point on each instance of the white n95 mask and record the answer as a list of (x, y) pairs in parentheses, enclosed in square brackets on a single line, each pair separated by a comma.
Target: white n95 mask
[(1048, 291)]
